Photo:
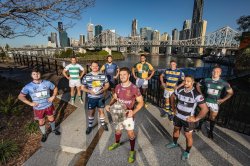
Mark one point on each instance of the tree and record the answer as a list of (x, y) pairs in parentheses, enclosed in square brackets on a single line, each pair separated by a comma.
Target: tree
[(31, 17), (244, 23)]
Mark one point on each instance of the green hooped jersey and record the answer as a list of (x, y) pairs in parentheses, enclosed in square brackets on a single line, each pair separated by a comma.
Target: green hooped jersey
[(74, 71), (213, 89), (143, 69)]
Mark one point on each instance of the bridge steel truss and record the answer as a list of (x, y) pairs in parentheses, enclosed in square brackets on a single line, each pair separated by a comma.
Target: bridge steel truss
[(222, 38)]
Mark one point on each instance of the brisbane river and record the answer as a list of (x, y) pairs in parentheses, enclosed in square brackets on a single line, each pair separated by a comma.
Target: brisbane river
[(192, 66)]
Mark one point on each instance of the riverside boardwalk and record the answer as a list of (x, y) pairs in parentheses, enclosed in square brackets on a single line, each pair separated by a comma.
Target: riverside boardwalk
[(74, 147)]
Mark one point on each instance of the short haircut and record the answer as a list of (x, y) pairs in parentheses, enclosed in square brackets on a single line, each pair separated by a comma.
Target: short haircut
[(143, 55), (173, 61), (36, 70), (73, 57), (190, 76), (94, 62), (217, 67), (125, 69), (109, 56)]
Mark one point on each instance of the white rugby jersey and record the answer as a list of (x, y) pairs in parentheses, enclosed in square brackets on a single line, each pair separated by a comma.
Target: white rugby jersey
[(187, 102)]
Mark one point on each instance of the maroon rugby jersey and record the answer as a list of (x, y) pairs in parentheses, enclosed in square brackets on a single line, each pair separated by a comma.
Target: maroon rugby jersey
[(127, 95)]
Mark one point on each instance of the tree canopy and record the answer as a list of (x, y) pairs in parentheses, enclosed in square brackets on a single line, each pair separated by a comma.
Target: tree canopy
[(32, 17), (244, 23)]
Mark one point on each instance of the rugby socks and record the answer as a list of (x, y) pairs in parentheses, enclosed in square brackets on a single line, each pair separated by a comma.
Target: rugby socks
[(188, 149), (175, 140), (132, 144), (102, 120), (117, 137), (212, 124), (167, 106), (79, 97), (42, 128), (91, 120), (72, 98), (52, 125)]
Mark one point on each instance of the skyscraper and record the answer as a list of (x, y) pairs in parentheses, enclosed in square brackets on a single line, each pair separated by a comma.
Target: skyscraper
[(90, 32), (82, 40), (175, 38), (187, 24), (155, 41), (54, 38), (134, 28), (63, 36), (197, 17), (146, 33), (98, 30), (175, 34)]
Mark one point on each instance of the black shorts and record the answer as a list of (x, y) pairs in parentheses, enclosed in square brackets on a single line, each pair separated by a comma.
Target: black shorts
[(93, 103), (112, 84), (187, 126)]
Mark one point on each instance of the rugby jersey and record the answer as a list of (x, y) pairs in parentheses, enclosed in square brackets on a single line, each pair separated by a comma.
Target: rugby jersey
[(39, 93), (127, 95), (95, 82), (143, 69), (172, 77), (74, 70), (213, 89), (110, 70), (187, 102)]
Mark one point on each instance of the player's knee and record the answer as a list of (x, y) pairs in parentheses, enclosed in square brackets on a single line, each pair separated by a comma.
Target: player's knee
[(41, 122)]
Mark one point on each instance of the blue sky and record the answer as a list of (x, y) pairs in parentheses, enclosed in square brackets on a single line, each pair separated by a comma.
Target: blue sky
[(162, 15)]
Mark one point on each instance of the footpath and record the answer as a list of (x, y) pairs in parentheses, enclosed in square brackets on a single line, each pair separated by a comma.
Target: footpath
[(74, 147)]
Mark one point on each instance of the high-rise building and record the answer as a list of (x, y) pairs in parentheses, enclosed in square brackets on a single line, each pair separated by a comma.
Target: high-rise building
[(146, 33), (197, 17), (155, 41), (175, 34), (54, 38), (175, 39), (164, 36), (60, 26), (98, 30), (82, 40), (108, 37), (134, 28), (202, 32), (90, 32), (63, 36), (187, 24)]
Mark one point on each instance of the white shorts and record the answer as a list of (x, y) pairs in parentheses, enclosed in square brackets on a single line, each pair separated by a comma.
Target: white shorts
[(167, 93), (74, 83), (128, 124), (141, 83), (213, 107)]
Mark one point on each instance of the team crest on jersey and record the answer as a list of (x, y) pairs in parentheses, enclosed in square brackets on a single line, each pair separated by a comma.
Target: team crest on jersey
[(201, 98)]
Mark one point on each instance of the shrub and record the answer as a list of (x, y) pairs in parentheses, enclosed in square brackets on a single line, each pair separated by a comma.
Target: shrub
[(32, 127), (10, 106), (103, 52), (8, 149)]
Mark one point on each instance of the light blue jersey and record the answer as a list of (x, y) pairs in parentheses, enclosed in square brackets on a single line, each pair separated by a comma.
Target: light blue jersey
[(39, 93)]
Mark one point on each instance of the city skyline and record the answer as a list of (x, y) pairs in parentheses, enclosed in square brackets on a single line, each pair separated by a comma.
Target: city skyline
[(160, 15)]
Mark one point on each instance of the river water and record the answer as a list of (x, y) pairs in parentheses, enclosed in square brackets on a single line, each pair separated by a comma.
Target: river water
[(191, 66)]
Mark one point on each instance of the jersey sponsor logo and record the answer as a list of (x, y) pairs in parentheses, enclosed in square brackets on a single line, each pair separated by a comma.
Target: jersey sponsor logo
[(96, 83), (213, 91)]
